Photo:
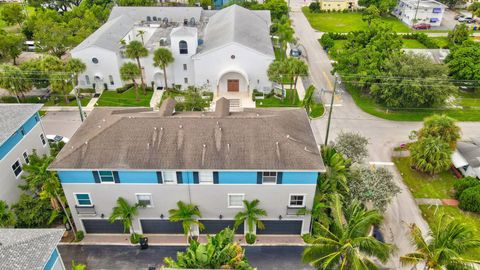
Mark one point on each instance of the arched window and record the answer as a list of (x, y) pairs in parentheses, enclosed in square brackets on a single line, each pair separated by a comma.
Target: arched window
[(110, 78), (87, 79), (183, 47)]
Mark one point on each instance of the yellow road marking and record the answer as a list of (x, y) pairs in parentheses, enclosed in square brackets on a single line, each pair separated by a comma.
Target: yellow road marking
[(328, 80)]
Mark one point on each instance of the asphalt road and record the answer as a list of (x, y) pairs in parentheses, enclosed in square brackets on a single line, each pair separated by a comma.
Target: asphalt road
[(127, 257)]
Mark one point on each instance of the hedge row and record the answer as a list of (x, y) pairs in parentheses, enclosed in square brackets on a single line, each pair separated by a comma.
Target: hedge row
[(467, 191)]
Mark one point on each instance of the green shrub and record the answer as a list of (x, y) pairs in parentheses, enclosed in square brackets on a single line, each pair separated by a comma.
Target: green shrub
[(250, 238), (326, 41), (135, 238), (314, 7), (80, 235), (465, 183), (422, 38), (470, 199), (124, 88)]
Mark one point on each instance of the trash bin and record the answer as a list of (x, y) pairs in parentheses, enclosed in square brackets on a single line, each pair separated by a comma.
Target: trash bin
[(143, 242)]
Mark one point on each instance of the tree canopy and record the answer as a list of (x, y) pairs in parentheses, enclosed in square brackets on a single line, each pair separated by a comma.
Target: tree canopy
[(441, 126), (458, 35), (352, 146), (430, 155), (463, 61)]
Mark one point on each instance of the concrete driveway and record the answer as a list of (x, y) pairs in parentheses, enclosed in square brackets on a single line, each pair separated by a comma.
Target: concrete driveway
[(128, 257), (63, 123)]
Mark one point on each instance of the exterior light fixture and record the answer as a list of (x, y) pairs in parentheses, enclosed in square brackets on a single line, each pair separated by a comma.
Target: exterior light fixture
[(220, 217), (161, 216), (280, 217)]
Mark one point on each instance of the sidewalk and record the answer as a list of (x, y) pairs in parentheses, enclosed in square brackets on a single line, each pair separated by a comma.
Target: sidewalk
[(156, 97), (180, 240), (437, 202)]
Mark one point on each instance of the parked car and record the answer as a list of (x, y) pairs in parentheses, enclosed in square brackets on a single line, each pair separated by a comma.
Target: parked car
[(295, 53), (466, 20), (57, 138), (459, 16), (422, 26)]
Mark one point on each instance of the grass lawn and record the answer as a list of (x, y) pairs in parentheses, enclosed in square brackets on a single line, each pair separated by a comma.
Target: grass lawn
[(442, 42), (412, 44), (422, 185), (61, 102), (369, 106), (277, 102), (347, 22), (317, 110), (471, 219), (125, 99)]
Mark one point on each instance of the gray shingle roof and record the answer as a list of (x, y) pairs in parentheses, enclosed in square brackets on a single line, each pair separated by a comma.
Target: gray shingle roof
[(256, 139), (240, 25), (470, 150), (22, 249), (13, 116)]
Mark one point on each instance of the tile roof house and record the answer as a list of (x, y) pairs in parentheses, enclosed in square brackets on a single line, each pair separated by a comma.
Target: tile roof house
[(212, 159), (466, 157), (21, 132), (227, 51), (30, 249)]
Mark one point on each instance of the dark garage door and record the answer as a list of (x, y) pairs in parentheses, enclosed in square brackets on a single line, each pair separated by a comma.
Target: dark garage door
[(214, 226), (161, 226), (102, 226), (281, 227)]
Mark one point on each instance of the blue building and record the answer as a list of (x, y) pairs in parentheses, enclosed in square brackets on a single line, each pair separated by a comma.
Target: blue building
[(212, 159), (21, 132)]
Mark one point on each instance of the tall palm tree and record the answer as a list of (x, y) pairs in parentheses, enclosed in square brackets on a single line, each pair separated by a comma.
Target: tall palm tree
[(7, 218), (297, 68), (346, 244), (276, 72), (441, 126), (41, 181), (162, 58), (448, 241), (130, 71), (75, 66), (125, 213), (140, 34), (136, 50), (188, 214), (335, 179), (251, 215), (14, 80)]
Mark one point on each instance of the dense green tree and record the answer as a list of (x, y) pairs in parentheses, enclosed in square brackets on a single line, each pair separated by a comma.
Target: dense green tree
[(75, 66), (130, 71), (188, 215), (327, 41), (285, 32), (475, 8), (14, 80), (59, 77), (448, 241), (384, 6), (32, 212), (441, 126), (463, 61), (139, 3), (35, 73), (125, 212), (278, 8), (352, 146), (163, 57), (12, 13), (309, 101), (463, 184), (11, 46), (298, 68), (193, 101), (412, 81), (346, 243), (370, 13), (7, 218), (135, 50), (430, 155), (458, 35), (220, 252), (251, 215), (452, 3)]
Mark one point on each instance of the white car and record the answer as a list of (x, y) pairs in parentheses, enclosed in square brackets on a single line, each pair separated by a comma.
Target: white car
[(57, 138)]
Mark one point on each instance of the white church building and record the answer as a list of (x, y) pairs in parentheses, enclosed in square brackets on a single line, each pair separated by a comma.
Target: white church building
[(226, 51)]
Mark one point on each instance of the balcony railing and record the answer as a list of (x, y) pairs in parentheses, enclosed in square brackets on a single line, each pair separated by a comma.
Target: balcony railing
[(295, 211), (85, 210)]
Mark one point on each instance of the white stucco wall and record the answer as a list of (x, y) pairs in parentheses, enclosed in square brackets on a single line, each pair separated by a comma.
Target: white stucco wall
[(407, 14)]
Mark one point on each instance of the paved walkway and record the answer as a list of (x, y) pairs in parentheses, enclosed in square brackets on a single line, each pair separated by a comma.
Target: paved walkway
[(180, 240), (156, 98), (91, 104), (429, 201)]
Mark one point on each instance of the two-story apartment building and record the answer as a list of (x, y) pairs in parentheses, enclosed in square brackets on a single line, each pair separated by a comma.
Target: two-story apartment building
[(21, 132), (211, 159), (413, 12)]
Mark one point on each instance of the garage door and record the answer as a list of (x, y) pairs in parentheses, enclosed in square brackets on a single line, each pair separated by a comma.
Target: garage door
[(161, 226), (214, 226), (281, 227), (102, 226)]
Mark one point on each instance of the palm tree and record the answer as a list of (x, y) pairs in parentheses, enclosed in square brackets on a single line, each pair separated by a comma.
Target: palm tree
[(40, 180), (136, 50), (276, 72), (130, 71), (285, 32), (125, 213), (297, 68), (162, 58), (140, 34), (14, 80), (441, 126), (335, 179), (75, 66), (78, 266), (188, 214), (251, 214), (7, 218), (448, 241), (308, 100), (346, 244), (430, 155)]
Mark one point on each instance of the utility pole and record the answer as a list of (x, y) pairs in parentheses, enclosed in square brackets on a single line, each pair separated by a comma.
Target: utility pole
[(416, 12), (76, 92), (331, 109)]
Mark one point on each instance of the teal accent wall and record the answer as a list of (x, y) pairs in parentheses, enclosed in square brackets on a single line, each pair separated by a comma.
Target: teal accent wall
[(16, 137), (300, 178), (76, 177), (51, 261), (187, 177), (237, 177), (134, 177)]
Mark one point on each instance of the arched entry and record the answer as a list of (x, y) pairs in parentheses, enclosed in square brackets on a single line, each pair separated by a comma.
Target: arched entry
[(159, 80), (99, 84), (233, 81)]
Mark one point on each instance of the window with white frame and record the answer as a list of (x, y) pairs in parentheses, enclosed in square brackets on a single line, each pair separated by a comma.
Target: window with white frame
[(205, 177), (83, 199), (269, 177), (144, 199), (17, 168), (297, 200), (169, 177), (42, 138), (235, 200), (106, 176), (184, 66), (25, 157)]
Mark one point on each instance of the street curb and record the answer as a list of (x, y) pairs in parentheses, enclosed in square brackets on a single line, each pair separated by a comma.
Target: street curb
[(172, 244)]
